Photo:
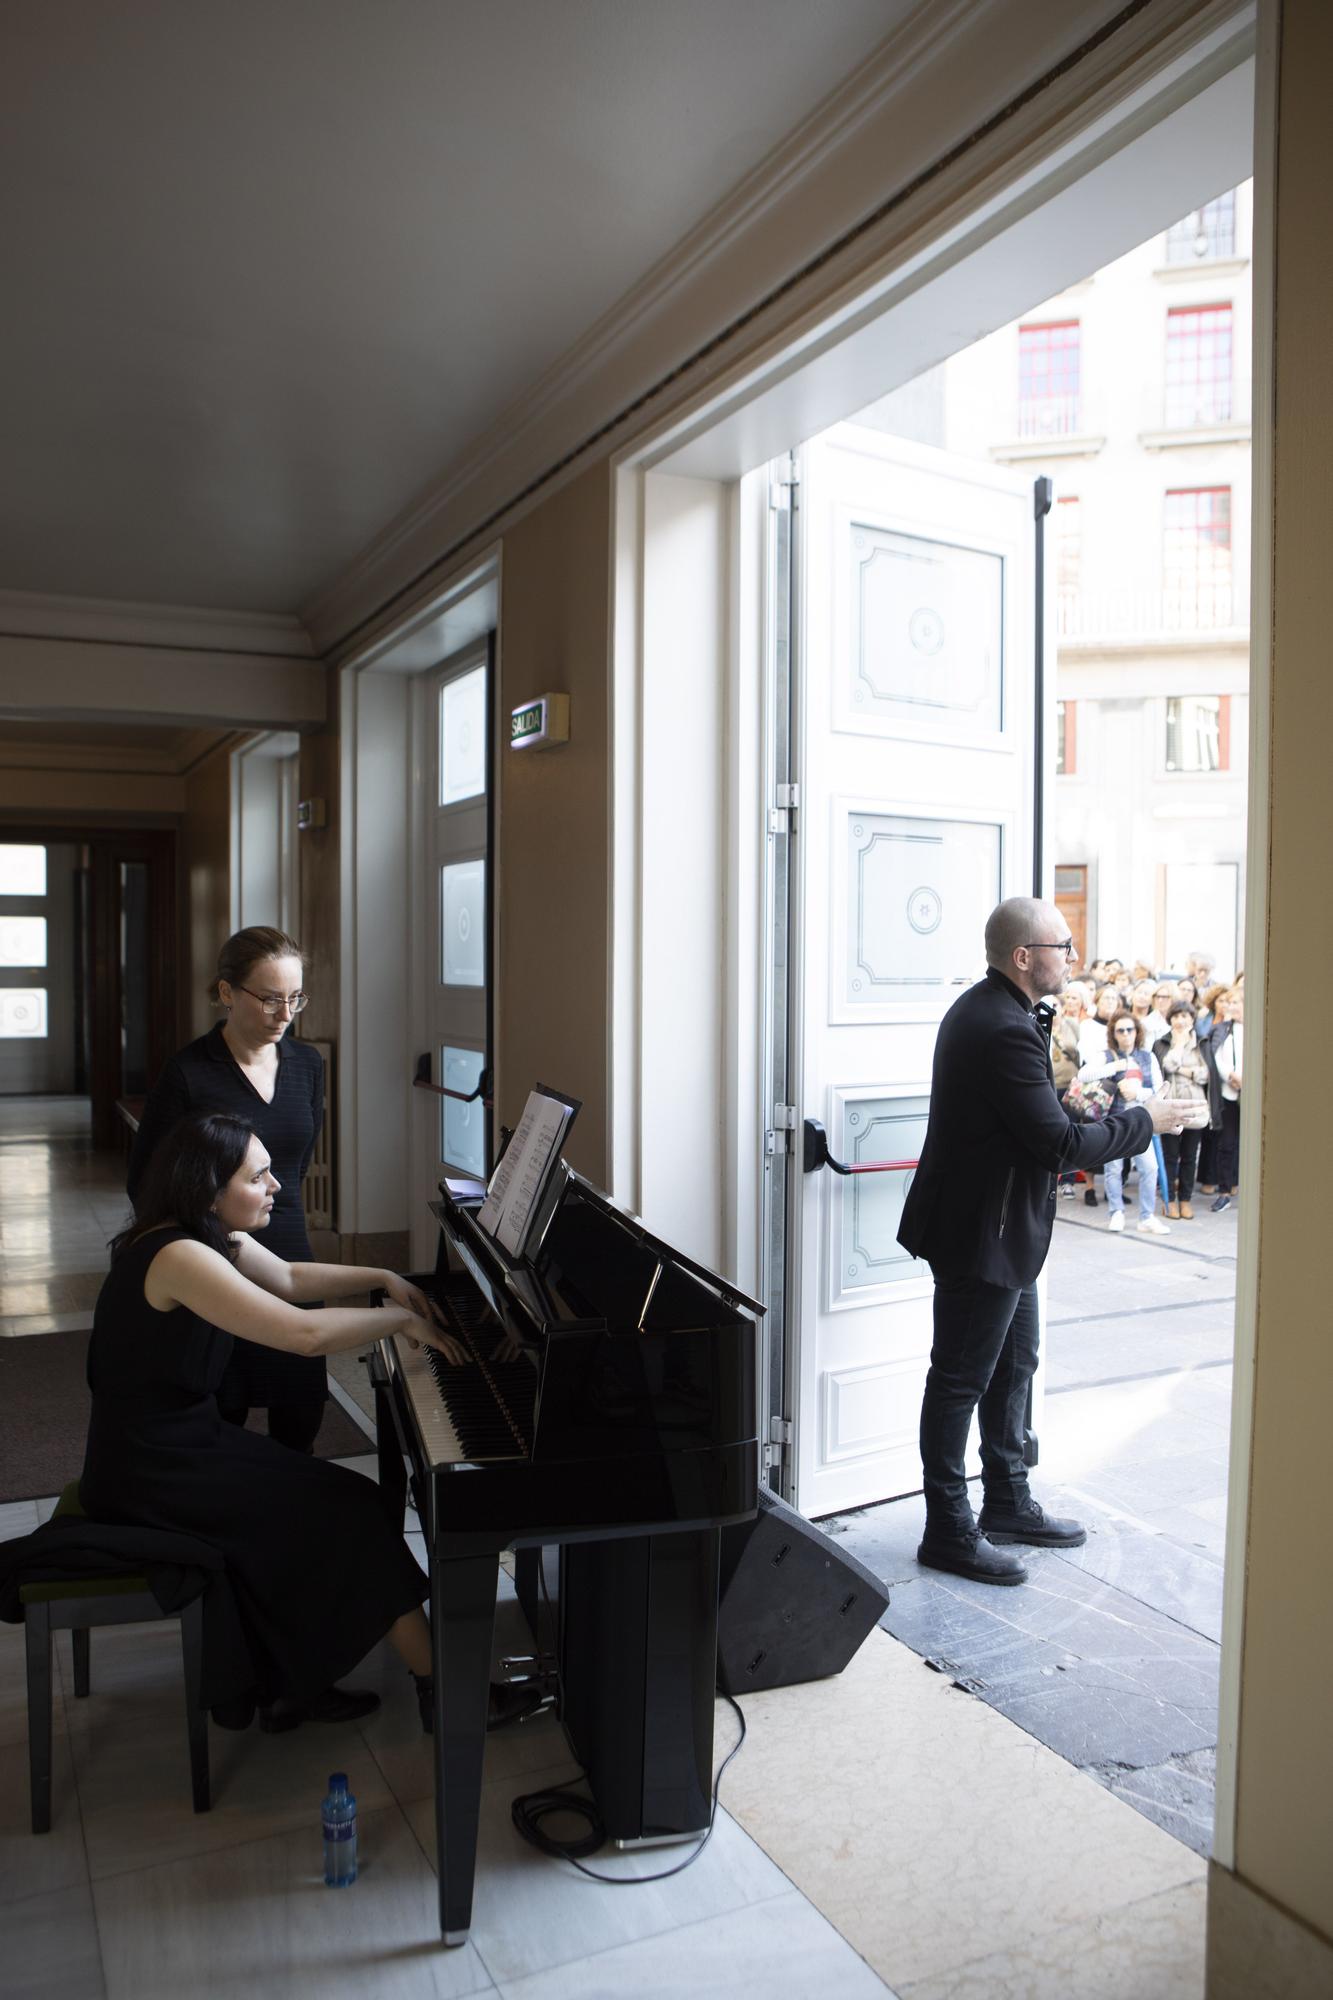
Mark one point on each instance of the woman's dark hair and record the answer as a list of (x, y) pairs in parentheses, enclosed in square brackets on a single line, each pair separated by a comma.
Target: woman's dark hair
[(1180, 1007), (184, 1178), (1115, 1021), (244, 950)]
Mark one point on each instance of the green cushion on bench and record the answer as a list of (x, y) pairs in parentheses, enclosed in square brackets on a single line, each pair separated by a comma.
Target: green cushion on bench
[(73, 1586)]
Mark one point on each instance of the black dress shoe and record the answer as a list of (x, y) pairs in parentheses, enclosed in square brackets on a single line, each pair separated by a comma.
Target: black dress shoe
[(335, 1704), (238, 1714), (971, 1555), (1030, 1523)]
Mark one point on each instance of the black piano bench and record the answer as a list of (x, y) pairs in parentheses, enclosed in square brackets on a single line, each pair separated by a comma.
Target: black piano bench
[(75, 1605)]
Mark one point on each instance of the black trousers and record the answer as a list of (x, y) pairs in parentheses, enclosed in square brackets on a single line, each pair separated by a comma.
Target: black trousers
[(1180, 1151), (983, 1359), (1228, 1146)]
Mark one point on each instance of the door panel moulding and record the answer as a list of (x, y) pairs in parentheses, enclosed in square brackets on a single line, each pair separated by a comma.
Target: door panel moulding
[(704, 315)]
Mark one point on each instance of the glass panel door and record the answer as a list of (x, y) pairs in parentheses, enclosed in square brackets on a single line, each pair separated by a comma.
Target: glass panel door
[(455, 736)]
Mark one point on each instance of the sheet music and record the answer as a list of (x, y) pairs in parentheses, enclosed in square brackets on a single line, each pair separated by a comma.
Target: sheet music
[(518, 1181)]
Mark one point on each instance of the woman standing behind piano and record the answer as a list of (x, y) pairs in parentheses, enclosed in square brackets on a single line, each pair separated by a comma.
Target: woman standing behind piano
[(246, 1067)]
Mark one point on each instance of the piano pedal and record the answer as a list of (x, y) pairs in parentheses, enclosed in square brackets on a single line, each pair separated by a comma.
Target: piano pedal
[(536, 1667), (541, 1677)]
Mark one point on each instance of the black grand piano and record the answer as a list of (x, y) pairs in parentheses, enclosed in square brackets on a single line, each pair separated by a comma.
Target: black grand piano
[(609, 1407)]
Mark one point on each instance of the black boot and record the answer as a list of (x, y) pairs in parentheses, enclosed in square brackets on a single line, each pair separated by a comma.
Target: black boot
[(966, 1552), (1028, 1522)]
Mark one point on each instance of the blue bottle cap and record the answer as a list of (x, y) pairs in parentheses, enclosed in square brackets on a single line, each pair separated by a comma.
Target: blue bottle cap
[(338, 1781)]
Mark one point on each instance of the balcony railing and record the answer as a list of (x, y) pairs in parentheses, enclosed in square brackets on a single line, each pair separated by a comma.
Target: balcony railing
[(1049, 416), (1107, 616)]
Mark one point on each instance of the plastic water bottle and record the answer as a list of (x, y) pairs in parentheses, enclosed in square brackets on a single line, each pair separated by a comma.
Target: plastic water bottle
[(339, 1815)]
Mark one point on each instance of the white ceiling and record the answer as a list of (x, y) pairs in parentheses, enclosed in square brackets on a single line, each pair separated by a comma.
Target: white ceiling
[(271, 265)]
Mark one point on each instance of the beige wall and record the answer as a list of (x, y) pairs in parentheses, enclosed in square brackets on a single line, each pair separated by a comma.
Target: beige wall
[(1284, 1789), (553, 877), (205, 875)]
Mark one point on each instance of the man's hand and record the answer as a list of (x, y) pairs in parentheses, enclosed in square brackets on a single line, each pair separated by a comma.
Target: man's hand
[(1166, 1116)]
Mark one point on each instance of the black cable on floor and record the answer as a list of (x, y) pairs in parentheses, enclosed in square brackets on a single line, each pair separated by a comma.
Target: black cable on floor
[(529, 1811)]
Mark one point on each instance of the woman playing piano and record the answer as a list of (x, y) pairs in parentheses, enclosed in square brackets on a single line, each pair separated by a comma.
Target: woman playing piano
[(248, 1067), (315, 1575)]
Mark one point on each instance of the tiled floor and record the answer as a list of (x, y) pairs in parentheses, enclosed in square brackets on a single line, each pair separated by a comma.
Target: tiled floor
[(883, 1832), (60, 1201)]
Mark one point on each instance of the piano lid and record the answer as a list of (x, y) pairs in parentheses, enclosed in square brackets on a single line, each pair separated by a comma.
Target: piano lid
[(593, 1258)]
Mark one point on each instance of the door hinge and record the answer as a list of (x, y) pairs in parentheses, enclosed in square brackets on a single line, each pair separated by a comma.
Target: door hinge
[(780, 1437), (778, 1138), (779, 495), (786, 800)]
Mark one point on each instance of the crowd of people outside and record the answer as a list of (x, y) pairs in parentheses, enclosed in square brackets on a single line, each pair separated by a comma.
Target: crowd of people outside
[(1121, 1034)]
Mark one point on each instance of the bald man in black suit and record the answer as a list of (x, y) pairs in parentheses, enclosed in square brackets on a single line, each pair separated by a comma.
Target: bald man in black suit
[(980, 1211)]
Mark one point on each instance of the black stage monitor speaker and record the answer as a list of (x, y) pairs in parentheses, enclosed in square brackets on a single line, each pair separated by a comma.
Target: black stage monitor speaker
[(793, 1606)]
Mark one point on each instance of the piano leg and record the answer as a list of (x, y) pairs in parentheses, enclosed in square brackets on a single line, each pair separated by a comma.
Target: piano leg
[(462, 1622)]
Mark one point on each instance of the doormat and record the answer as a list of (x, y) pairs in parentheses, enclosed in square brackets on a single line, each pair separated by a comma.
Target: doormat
[(44, 1404)]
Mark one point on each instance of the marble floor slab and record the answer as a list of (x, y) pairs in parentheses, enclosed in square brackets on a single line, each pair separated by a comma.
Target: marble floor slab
[(1147, 1564), (51, 1950), (129, 1748), (20, 1325), (1151, 1950), (782, 1946), (533, 1912), (255, 1922), (37, 1864), (1178, 1796), (880, 1791)]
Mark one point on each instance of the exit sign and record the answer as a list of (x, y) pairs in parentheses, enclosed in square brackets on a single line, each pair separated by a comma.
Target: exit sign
[(540, 722)]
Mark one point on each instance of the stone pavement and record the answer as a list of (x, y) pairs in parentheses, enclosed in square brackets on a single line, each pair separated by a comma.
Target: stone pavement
[(1109, 1653)]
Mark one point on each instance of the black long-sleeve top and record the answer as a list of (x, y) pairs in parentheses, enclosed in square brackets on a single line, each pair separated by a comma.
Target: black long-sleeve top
[(205, 1077)]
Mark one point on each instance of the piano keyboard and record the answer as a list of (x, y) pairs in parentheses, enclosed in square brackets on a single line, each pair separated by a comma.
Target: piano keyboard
[(472, 1411)]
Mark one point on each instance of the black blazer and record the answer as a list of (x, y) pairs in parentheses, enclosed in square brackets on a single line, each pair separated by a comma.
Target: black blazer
[(982, 1201)]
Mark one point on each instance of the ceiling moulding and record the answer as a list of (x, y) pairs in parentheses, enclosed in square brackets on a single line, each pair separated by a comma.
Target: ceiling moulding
[(188, 749), (83, 680), (74, 795), (771, 251), (107, 622)]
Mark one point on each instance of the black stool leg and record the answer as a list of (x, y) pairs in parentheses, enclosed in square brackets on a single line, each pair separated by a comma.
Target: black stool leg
[(37, 1623), (196, 1722), (82, 1640)]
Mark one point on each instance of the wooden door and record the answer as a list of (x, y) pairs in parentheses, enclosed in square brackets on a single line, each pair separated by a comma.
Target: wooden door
[(132, 955)]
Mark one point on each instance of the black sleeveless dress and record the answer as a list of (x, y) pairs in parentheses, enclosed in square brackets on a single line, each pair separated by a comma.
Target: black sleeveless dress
[(206, 1077), (316, 1574)]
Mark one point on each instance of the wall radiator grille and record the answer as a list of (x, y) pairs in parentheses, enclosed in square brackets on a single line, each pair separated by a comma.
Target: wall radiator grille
[(318, 1185)]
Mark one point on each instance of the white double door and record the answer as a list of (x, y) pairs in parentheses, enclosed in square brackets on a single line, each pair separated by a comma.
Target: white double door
[(914, 734)]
